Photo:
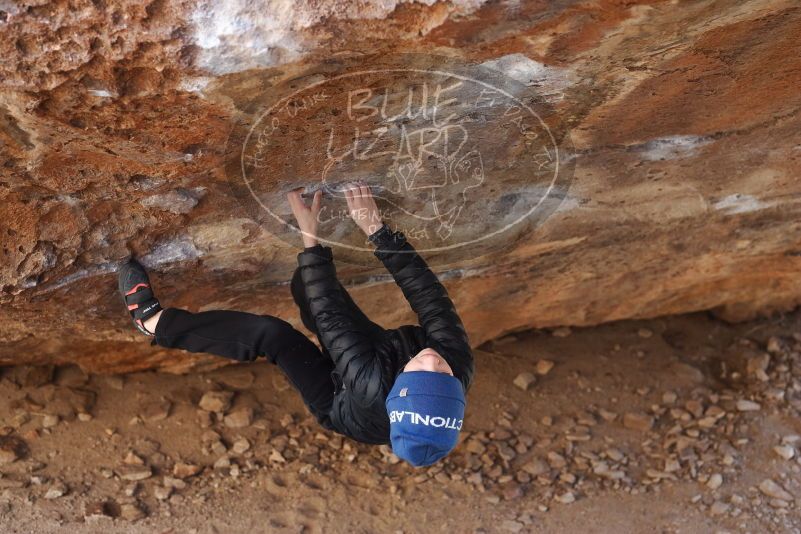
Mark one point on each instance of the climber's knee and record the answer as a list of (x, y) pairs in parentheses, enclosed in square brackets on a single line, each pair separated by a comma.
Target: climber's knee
[(276, 337)]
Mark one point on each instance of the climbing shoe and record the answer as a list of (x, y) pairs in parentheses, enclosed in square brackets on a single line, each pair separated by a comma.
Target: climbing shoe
[(137, 294)]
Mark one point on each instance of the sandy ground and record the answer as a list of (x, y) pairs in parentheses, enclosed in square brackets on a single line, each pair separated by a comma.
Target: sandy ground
[(637, 427)]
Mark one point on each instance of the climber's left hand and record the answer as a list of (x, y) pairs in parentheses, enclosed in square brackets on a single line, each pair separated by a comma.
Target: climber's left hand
[(362, 207)]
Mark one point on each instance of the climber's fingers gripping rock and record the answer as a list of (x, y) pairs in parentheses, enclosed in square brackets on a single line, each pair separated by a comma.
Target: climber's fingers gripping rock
[(306, 216), (362, 207)]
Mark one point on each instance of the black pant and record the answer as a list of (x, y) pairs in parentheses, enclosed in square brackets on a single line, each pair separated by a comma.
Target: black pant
[(245, 336)]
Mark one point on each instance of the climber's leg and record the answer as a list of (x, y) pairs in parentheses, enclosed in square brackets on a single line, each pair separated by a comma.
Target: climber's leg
[(245, 336), (150, 324), (236, 335), (231, 334)]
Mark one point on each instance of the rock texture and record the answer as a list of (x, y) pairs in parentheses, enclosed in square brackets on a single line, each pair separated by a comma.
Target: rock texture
[(114, 125)]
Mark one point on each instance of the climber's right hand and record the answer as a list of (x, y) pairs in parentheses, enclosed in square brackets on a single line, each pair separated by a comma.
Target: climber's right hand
[(307, 216)]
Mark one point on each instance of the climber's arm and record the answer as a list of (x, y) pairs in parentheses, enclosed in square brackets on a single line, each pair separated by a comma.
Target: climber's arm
[(350, 348), (424, 292), (428, 298)]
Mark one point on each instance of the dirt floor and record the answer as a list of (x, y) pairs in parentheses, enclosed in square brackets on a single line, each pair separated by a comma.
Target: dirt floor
[(680, 424)]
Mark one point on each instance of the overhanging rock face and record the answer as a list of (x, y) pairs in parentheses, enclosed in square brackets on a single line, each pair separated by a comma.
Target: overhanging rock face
[(118, 124)]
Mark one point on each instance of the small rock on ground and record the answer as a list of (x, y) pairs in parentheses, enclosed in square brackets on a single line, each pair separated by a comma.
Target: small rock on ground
[(525, 380), (544, 367), (58, 489), (239, 418), (216, 401), (772, 489), (638, 421), (184, 470), (745, 405)]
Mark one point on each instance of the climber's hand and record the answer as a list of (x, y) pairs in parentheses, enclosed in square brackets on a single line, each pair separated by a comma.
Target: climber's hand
[(305, 215), (362, 207)]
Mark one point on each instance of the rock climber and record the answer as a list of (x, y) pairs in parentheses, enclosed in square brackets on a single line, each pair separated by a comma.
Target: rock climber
[(403, 386)]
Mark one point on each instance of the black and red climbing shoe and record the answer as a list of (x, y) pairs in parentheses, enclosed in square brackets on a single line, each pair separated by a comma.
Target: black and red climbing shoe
[(137, 294)]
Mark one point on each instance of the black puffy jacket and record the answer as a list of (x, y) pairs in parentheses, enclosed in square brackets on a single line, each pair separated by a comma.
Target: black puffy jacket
[(368, 358)]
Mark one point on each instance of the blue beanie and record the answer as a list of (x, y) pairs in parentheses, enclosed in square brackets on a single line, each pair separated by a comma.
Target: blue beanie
[(425, 411)]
